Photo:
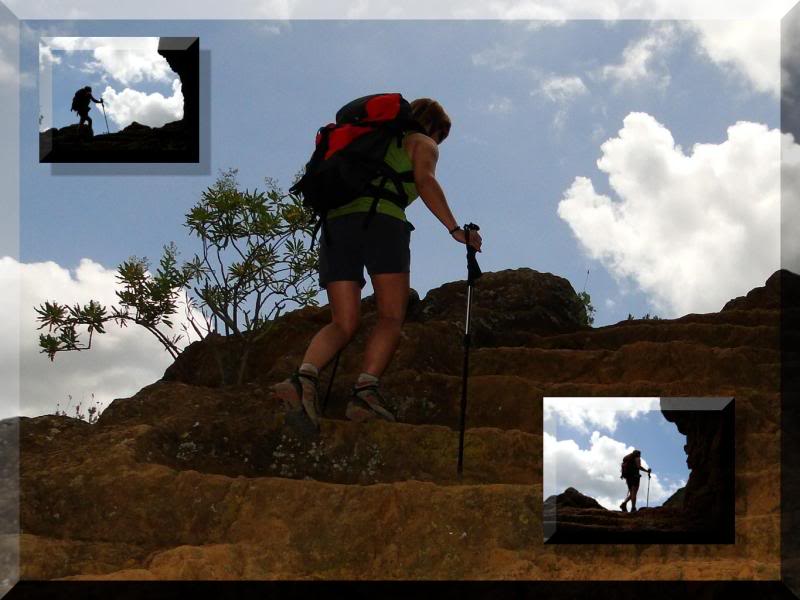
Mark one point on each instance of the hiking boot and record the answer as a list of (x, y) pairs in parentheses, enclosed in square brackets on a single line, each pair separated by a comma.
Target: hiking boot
[(368, 404), (298, 393), (633, 509), (290, 393), (310, 398), (624, 507)]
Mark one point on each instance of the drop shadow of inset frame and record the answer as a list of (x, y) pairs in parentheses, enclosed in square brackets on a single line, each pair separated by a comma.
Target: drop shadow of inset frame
[(790, 307), (203, 167)]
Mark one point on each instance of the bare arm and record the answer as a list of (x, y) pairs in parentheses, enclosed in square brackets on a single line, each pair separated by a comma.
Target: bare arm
[(424, 156)]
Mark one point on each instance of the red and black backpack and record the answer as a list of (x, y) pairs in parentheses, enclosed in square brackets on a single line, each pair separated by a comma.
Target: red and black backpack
[(349, 156)]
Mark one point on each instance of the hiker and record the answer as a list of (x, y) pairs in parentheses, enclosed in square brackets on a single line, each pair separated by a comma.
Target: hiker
[(383, 247), (80, 104), (631, 465)]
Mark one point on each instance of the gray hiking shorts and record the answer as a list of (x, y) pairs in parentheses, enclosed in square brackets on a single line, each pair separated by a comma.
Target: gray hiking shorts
[(383, 247)]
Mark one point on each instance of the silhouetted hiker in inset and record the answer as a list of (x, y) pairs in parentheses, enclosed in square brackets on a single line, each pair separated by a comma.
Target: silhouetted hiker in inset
[(631, 465), (80, 104)]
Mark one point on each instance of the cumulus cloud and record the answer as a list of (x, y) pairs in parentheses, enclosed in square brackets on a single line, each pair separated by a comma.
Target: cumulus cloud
[(148, 109), (129, 60), (120, 362), (749, 49), (594, 471), (643, 59), (594, 412), (693, 230)]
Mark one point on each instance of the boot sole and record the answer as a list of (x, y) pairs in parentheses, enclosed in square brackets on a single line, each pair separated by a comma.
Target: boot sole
[(360, 414)]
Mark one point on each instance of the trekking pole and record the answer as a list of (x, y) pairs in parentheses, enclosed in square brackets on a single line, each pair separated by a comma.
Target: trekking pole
[(103, 105), (330, 383), (648, 491), (473, 272)]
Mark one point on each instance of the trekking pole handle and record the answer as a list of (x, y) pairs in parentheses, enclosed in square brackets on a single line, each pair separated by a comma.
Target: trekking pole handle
[(473, 270)]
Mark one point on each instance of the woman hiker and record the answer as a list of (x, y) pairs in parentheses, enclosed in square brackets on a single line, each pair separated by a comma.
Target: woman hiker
[(80, 104), (383, 247), (631, 465)]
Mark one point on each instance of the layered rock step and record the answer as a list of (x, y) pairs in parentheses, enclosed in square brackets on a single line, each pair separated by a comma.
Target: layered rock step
[(193, 479)]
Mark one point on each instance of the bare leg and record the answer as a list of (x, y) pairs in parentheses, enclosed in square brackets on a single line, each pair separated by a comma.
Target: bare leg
[(391, 295), (345, 303), (634, 491), (624, 502)]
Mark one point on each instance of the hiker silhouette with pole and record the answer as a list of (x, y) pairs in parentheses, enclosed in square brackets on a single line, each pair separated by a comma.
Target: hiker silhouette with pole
[(631, 465), (80, 104), (376, 235)]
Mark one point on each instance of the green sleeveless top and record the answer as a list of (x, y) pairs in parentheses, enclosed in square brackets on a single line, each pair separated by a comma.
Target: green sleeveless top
[(397, 159)]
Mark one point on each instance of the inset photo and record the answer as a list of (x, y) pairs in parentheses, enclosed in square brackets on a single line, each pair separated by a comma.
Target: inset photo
[(119, 99), (638, 470)]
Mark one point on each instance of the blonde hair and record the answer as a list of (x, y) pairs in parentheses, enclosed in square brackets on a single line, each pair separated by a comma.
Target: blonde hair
[(430, 114)]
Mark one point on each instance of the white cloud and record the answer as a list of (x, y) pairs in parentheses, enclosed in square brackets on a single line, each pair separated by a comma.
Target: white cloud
[(598, 132), (790, 54), (9, 40), (595, 471), (596, 412), (748, 49), (562, 89), (500, 105), (148, 109), (642, 60), (129, 60), (120, 362), (272, 28), (790, 205), (498, 58), (47, 58), (692, 230), (630, 9), (304, 9), (8, 72)]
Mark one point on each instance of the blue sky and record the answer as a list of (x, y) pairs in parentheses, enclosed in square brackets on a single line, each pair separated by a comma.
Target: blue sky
[(573, 147), (586, 438)]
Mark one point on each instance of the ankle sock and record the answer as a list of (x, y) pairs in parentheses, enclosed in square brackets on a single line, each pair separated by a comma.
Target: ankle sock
[(366, 379), (309, 369)]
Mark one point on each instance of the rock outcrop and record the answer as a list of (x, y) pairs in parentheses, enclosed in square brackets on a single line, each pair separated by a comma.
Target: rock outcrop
[(177, 141), (572, 518), (708, 497), (189, 478), (572, 498)]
